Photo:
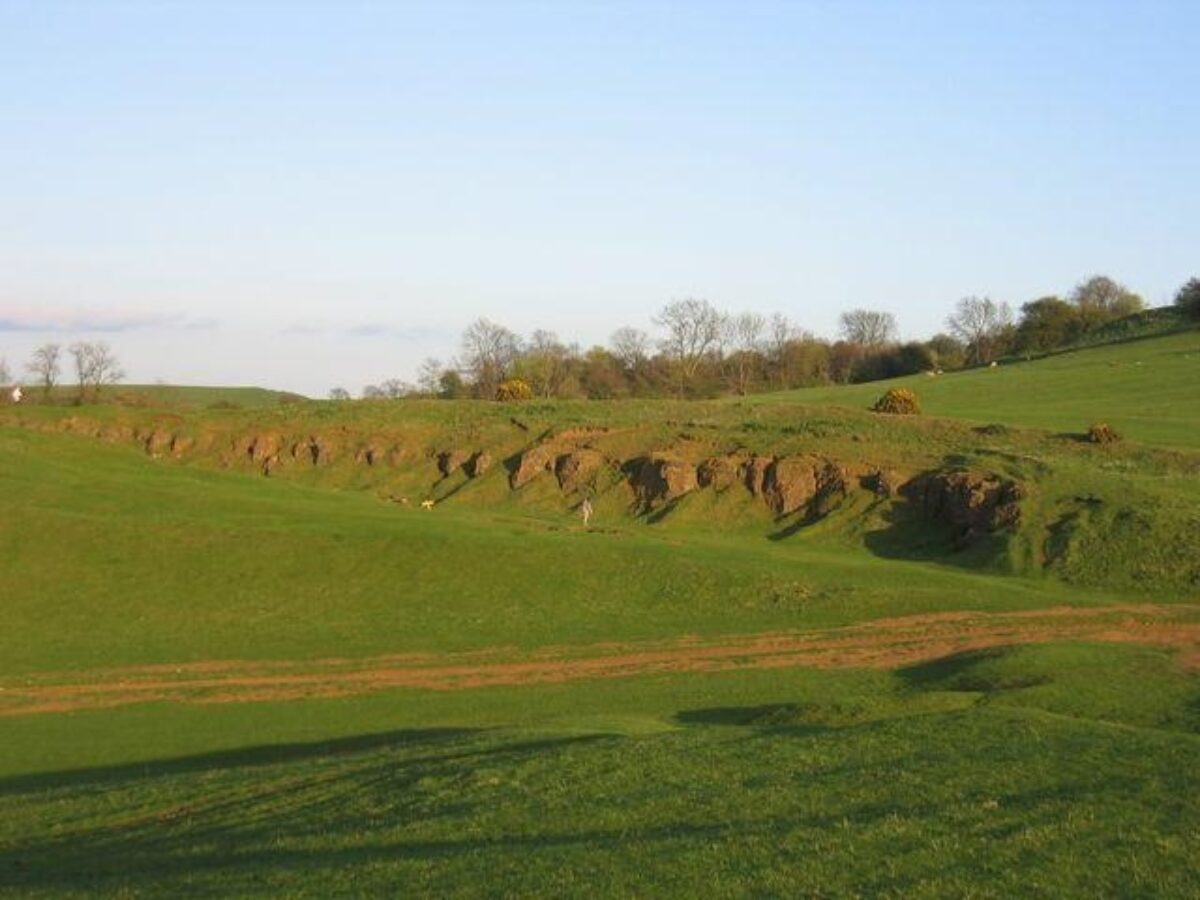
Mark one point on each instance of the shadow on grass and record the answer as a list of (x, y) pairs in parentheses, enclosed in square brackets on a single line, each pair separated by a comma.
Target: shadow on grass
[(795, 717), (151, 830), (974, 671), (909, 534), (263, 755)]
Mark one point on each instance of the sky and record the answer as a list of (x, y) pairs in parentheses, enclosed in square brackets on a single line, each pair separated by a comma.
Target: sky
[(307, 195)]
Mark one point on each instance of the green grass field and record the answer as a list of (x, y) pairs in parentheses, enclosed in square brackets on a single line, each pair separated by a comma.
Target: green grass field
[(1146, 389), (218, 683)]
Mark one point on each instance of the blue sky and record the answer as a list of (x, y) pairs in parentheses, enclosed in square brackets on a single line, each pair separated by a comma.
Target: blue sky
[(304, 195)]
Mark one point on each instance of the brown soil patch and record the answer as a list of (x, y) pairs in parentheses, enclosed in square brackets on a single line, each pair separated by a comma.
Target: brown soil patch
[(881, 644)]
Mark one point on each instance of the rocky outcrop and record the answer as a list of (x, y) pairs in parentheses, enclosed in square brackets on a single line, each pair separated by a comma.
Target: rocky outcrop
[(263, 447), (718, 472), (370, 455), (577, 469), (450, 461), (754, 474), (796, 483), (159, 442), (478, 464), (659, 480), (973, 504), (533, 462), (316, 450)]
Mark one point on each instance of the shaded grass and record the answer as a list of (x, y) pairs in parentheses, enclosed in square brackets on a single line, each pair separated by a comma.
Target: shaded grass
[(987, 801)]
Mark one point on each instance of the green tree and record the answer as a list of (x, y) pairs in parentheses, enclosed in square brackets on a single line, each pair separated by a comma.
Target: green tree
[(1100, 299), (1047, 323), (1188, 298)]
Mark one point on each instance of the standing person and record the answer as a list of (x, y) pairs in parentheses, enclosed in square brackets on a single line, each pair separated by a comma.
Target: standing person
[(585, 509)]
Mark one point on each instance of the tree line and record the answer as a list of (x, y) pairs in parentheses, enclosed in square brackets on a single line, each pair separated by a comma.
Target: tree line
[(94, 363), (698, 350)]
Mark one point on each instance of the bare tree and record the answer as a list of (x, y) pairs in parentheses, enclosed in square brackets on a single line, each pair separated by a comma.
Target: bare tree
[(980, 323), (744, 339), (693, 330), (339, 393), (868, 328), (5, 374), (545, 364), (631, 346), (45, 367), (429, 376), (782, 332), (388, 389), (488, 350), (95, 366)]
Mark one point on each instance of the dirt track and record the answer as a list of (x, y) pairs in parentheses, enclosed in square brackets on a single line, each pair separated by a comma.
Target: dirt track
[(884, 643)]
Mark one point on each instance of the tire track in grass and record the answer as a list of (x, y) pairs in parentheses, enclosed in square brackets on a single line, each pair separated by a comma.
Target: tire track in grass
[(881, 644)]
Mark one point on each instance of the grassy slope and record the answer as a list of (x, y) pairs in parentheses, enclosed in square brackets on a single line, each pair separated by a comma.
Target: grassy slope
[(199, 397), (927, 783), (1048, 770), (1145, 389)]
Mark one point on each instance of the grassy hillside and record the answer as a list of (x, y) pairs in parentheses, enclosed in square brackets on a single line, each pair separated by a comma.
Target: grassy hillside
[(234, 665), (1144, 388)]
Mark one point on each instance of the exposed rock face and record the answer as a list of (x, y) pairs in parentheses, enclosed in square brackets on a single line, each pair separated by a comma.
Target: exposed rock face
[(370, 455), (575, 470), (478, 464), (315, 450), (534, 462), (754, 474), (264, 447), (718, 473), (180, 445), (793, 483), (159, 442), (450, 461), (657, 480), (974, 504)]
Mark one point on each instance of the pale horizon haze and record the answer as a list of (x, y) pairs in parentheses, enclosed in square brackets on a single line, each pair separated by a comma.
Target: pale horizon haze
[(308, 195)]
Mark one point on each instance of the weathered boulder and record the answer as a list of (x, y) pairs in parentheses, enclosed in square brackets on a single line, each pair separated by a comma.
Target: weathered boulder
[(974, 504), (450, 461), (789, 484), (533, 463), (794, 483), (658, 480), (576, 469), (718, 472), (478, 464)]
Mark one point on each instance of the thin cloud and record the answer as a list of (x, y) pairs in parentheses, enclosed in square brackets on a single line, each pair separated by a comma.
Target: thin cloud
[(103, 322), (414, 333)]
